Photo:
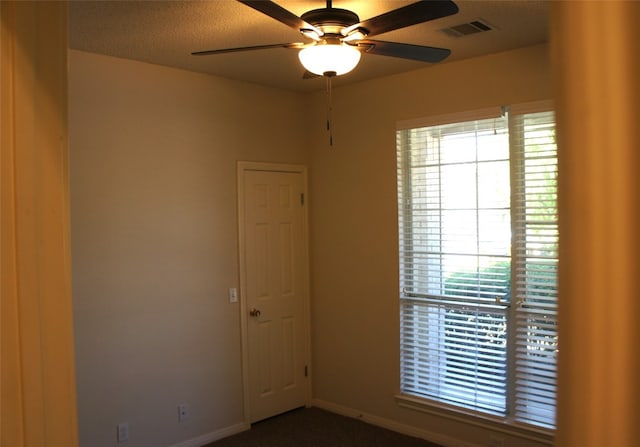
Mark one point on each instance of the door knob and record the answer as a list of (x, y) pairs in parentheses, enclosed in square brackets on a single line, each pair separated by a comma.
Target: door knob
[(254, 312)]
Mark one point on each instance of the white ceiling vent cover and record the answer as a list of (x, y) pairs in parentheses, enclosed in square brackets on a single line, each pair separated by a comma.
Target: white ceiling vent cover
[(466, 29)]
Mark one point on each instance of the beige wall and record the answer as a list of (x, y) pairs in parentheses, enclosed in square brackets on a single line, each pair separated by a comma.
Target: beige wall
[(354, 222), (153, 153), (153, 156)]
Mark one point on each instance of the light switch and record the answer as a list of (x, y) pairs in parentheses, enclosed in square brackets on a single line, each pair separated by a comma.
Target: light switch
[(233, 295)]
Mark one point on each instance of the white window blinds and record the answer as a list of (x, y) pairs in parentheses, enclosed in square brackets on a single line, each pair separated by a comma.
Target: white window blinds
[(461, 231), (535, 260)]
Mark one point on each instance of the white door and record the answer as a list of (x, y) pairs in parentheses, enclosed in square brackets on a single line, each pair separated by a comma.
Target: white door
[(273, 280)]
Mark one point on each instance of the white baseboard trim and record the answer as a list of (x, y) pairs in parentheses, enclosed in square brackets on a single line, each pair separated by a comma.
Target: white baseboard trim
[(389, 424), (214, 436)]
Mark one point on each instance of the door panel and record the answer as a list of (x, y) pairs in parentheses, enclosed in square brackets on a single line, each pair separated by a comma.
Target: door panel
[(275, 286)]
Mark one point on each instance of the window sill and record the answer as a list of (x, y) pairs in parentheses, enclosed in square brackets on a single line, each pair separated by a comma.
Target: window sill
[(480, 420)]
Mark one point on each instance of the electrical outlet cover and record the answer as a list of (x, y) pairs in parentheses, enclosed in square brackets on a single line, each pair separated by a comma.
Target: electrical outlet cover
[(123, 432), (183, 412)]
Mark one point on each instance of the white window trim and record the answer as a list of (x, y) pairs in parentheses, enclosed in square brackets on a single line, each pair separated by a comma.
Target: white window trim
[(475, 418), (459, 413), (450, 118)]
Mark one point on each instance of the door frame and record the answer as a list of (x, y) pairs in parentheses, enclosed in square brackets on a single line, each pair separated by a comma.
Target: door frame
[(242, 167)]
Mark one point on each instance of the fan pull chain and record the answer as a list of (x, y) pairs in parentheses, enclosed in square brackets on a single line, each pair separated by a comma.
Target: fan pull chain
[(329, 108)]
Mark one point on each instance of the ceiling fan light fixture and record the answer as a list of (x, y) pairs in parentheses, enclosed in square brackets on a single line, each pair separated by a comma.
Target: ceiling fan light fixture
[(337, 58), (354, 33), (311, 33)]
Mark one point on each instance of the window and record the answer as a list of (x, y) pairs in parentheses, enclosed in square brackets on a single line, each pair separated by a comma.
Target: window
[(478, 265)]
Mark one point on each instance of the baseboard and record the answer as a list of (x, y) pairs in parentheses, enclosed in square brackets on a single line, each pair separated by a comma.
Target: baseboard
[(214, 436), (436, 438)]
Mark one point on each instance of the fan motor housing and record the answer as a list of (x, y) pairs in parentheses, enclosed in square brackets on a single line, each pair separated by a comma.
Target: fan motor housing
[(330, 20)]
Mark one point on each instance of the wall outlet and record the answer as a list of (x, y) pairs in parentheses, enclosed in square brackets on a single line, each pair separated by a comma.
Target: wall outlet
[(183, 412), (496, 441), (123, 432)]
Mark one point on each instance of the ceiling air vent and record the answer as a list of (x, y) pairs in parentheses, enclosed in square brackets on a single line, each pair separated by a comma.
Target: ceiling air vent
[(465, 29)]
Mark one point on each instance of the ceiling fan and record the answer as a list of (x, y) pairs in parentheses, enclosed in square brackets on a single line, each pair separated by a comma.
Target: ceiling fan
[(338, 37)]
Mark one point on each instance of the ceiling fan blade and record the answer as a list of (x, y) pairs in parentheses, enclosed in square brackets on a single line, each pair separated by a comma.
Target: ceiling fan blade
[(278, 13), (404, 50), (412, 14), (294, 45)]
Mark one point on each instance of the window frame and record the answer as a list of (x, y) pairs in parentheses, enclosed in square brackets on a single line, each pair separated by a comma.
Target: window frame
[(505, 422)]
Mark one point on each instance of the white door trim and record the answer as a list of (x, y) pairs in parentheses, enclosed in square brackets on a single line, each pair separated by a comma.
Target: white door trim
[(242, 167)]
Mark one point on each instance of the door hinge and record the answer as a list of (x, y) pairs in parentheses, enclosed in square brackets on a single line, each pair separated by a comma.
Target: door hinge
[(306, 371)]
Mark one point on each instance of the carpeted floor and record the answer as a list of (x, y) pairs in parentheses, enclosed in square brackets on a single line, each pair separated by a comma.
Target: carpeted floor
[(313, 427)]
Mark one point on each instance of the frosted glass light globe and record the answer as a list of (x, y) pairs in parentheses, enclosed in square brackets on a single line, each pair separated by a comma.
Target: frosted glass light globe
[(329, 58)]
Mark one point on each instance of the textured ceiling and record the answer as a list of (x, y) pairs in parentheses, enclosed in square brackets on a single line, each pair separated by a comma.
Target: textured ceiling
[(166, 32)]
